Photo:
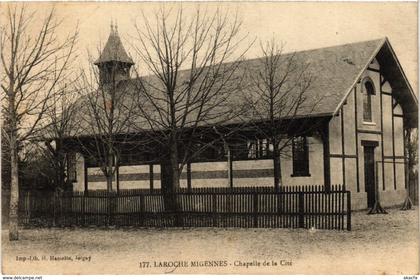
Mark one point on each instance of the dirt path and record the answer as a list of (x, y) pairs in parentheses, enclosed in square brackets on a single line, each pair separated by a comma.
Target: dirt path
[(378, 244)]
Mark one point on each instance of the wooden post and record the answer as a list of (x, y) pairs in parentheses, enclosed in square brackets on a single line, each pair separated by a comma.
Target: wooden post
[(326, 155), (151, 180), (301, 209), (408, 203), (255, 208), (83, 209), (117, 176), (108, 212), (30, 206), (214, 210), (54, 208), (85, 168), (230, 167), (142, 209), (189, 177), (56, 205), (348, 210)]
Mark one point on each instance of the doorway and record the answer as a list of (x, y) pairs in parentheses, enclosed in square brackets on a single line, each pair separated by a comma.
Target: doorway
[(370, 184)]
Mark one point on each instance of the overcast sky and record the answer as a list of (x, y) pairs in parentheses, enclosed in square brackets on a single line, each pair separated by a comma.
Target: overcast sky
[(301, 25)]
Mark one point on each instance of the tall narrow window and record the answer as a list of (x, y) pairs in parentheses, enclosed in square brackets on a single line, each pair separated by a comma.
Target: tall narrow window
[(368, 91), (300, 156)]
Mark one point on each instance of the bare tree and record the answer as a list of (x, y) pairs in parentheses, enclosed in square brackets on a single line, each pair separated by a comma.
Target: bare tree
[(107, 113), (195, 65), (59, 124), (34, 61), (411, 161), (277, 95)]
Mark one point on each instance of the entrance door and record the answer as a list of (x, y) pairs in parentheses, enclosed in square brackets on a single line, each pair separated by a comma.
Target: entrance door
[(370, 174)]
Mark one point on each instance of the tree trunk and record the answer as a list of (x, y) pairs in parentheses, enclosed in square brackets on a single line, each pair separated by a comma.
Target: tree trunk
[(14, 191), (109, 178), (14, 166), (174, 167), (109, 183), (174, 184), (276, 165), (169, 181), (61, 165), (109, 172)]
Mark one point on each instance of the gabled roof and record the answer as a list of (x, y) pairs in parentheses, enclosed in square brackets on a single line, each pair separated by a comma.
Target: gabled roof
[(114, 50), (336, 71), (392, 72)]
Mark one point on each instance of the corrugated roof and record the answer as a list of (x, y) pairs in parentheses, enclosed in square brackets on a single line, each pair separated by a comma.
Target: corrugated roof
[(114, 50)]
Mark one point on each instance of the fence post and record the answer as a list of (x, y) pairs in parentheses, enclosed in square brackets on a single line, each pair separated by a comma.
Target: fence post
[(214, 210), (142, 208), (111, 207), (61, 213), (29, 206), (54, 208), (255, 208), (83, 209), (301, 210), (108, 209), (348, 210)]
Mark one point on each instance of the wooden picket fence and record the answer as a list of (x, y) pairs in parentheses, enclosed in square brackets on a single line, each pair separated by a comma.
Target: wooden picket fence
[(248, 207)]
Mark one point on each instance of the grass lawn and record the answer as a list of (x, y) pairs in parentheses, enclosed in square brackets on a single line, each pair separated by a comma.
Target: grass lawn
[(378, 244)]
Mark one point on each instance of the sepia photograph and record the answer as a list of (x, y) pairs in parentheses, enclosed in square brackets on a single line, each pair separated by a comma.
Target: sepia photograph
[(266, 138)]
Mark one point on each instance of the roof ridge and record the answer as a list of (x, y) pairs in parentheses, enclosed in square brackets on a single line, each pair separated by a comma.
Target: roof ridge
[(250, 60), (324, 48)]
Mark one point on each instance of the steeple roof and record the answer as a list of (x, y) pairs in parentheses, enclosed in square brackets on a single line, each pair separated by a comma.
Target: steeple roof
[(114, 49)]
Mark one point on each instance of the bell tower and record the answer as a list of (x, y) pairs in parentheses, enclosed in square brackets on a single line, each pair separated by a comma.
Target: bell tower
[(114, 63)]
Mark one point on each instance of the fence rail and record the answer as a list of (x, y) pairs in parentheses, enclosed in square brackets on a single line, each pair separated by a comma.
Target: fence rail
[(259, 207)]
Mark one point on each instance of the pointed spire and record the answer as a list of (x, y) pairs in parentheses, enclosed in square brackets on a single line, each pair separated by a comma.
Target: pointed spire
[(114, 50)]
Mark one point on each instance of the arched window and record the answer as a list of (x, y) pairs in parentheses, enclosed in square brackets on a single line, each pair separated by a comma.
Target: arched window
[(368, 90)]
